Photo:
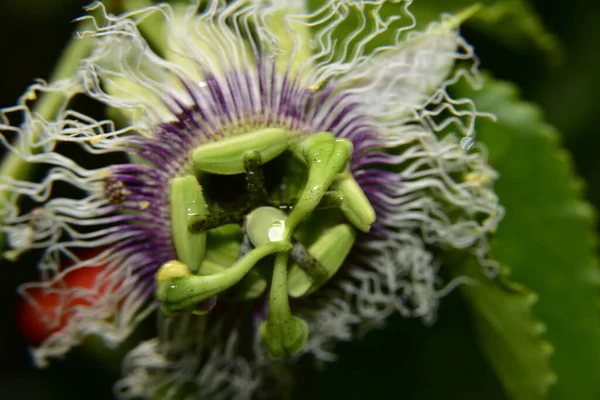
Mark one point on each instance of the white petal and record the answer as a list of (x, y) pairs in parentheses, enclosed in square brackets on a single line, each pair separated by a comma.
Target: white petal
[(402, 79)]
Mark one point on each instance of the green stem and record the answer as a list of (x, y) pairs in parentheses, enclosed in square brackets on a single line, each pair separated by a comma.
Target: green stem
[(282, 332), (279, 306)]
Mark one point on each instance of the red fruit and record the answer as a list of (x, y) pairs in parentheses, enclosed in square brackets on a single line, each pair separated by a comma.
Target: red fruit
[(37, 316)]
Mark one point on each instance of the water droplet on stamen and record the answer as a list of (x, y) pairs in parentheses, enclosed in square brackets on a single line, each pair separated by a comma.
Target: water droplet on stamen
[(276, 231), (191, 208)]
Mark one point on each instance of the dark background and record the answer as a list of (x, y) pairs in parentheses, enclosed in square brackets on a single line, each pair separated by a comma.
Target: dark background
[(387, 364)]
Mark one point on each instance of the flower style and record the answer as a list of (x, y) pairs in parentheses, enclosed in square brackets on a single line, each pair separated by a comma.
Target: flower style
[(270, 180)]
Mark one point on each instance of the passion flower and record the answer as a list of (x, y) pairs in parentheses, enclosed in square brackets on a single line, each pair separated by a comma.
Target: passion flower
[(288, 180)]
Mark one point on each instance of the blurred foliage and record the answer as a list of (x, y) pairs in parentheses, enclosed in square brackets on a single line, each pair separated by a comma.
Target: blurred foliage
[(513, 23), (407, 360), (547, 235)]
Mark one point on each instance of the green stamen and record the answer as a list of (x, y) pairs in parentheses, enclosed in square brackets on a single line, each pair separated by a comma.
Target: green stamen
[(331, 199), (226, 156), (355, 205), (309, 264), (186, 200), (330, 249)]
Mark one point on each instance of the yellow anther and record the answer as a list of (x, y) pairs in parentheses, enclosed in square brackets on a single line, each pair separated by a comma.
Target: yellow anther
[(314, 87), (186, 199), (171, 269)]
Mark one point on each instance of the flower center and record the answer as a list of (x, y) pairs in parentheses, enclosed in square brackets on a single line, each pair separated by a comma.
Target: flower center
[(313, 224), (260, 201)]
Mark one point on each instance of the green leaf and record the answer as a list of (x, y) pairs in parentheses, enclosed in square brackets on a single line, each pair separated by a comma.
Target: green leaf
[(508, 334), (547, 236)]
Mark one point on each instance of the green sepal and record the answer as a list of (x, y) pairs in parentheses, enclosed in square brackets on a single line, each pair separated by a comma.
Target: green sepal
[(226, 156), (330, 249), (186, 199)]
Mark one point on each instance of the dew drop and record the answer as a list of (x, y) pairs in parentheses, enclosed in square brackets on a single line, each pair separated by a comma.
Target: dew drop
[(467, 143), (189, 206), (276, 231)]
